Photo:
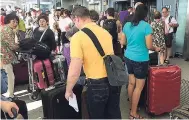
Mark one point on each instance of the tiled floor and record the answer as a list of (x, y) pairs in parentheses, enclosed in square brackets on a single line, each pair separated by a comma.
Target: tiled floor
[(36, 112)]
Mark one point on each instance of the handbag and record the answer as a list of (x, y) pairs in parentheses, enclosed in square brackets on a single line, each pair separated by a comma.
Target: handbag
[(41, 50), (116, 72)]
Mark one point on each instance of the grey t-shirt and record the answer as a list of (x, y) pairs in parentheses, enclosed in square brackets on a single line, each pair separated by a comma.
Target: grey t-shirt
[(71, 32)]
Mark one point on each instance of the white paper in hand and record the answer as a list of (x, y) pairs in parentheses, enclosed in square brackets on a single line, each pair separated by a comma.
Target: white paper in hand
[(73, 103)]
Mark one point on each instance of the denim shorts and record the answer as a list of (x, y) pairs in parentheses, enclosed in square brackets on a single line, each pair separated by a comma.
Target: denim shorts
[(139, 69)]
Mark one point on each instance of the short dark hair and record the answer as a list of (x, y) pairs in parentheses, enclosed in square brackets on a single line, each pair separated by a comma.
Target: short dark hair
[(29, 13), (165, 8), (9, 17), (81, 11), (157, 15), (94, 15), (110, 12), (43, 16)]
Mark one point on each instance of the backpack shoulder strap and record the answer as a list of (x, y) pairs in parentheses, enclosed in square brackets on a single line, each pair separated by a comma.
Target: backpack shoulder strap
[(95, 41), (170, 19)]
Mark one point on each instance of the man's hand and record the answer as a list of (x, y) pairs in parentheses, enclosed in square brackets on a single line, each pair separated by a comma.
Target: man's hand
[(171, 24), (6, 106), (68, 94)]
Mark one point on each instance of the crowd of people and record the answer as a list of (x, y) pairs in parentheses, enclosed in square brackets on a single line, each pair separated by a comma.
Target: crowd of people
[(130, 38)]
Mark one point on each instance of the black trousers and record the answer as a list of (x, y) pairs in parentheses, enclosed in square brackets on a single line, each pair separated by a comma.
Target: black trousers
[(64, 39), (103, 100)]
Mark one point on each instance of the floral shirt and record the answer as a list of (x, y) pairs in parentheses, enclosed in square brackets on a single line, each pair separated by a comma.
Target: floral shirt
[(7, 39), (158, 34)]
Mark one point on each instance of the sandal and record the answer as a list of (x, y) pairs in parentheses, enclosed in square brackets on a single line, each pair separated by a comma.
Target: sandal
[(134, 118), (166, 61)]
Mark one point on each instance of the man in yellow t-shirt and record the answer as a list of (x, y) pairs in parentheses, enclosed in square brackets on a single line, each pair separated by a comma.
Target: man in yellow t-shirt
[(102, 99)]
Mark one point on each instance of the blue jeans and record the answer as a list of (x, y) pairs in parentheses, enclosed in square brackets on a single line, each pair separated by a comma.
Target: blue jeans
[(4, 84), (103, 100)]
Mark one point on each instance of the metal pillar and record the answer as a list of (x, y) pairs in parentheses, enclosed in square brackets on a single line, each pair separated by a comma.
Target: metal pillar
[(186, 41), (38, 3), (132, 3)]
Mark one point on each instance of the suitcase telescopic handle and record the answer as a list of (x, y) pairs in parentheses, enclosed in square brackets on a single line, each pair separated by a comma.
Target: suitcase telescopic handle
[(163, 65)]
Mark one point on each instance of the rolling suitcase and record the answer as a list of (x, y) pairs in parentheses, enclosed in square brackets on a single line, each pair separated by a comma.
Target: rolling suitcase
[(66, 52), (163, 89), (60, 68), (43, 74), (55, 105), (152, 62), (21, 73)]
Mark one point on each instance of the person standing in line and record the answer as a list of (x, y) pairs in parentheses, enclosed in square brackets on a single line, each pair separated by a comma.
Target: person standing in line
[(2, 16), (52, 19), (8, 45), (113, 26), (57, 34), (169, 30), (65, 23), (21, 26), (130, 17), (138, 36), (34, 19), (48, 37), (29, 23), (158, 35), (103, 100)]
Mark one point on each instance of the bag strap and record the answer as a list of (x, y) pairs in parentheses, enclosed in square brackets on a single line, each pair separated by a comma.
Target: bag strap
[(170, 18), (42, 35), (95, 41)]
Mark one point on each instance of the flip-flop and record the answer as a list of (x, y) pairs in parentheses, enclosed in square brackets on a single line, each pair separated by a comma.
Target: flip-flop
[(133, 118)]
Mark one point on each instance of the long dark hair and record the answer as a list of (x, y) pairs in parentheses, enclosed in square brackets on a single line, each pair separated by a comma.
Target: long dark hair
[(140, 14)]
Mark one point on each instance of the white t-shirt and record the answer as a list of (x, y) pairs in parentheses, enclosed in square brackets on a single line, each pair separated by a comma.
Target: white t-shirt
[(173, 20), (65, 22), (51, 21)]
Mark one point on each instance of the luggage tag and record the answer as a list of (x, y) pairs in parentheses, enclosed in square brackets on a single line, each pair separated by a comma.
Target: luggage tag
[(43, 74)]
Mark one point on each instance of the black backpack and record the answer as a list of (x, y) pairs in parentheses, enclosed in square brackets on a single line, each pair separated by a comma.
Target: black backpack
[(174, 28), (111, 26)]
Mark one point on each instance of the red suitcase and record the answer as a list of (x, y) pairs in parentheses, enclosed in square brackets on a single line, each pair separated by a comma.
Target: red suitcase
[(43, 74), (163, 92)]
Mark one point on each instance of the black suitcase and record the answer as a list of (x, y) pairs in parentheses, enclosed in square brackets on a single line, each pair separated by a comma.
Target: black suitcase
[(153, 58), (181, 112), (55, 105)]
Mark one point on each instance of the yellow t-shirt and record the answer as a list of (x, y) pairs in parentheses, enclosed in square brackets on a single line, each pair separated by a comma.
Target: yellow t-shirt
[(82, 47), (21, 25)]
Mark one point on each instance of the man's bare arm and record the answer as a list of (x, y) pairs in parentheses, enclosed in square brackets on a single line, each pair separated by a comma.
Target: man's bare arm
[(74, 73)]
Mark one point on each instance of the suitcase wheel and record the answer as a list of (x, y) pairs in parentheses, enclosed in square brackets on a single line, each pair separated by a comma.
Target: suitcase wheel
[(35, 96), (29, 90)]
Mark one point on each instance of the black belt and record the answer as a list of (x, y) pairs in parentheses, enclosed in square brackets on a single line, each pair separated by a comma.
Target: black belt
[(97, 81)]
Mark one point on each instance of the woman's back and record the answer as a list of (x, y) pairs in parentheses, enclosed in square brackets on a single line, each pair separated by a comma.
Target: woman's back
[(136, 40), (158, 33)]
